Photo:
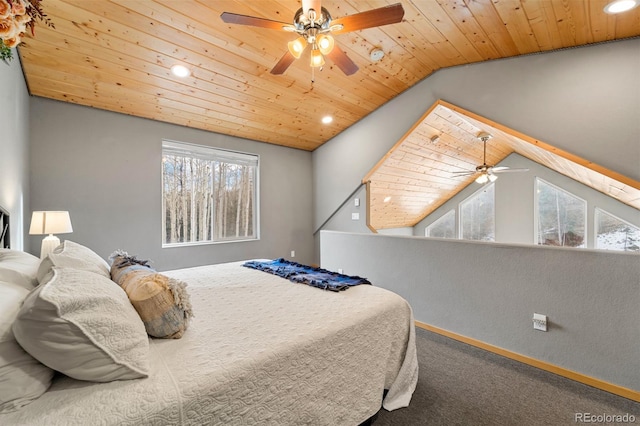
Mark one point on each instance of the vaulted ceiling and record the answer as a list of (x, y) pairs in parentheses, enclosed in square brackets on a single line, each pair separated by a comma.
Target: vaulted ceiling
[(116, 55), (418, 174)]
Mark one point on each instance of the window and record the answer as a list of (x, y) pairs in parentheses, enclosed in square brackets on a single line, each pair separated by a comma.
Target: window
[(561, 217), (613, 233), (443, 227), (208, 194), (477, 215)]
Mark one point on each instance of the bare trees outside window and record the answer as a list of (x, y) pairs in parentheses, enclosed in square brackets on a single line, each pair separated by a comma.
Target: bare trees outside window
[(561, 217), (208, 194), (477, 215)]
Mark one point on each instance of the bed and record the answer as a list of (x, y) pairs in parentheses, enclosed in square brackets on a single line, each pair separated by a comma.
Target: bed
[(258, 350)]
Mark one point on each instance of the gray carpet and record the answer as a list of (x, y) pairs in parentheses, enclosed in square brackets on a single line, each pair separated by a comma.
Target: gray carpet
[(462, 385)]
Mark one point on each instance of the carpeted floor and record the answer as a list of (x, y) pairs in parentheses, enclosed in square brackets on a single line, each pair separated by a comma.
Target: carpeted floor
[(463, 385)]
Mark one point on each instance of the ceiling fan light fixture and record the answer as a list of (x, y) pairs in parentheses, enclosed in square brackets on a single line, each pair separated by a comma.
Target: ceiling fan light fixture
[(492, 177), (483, 178), (297, 46), (325, 43), (317, 60)]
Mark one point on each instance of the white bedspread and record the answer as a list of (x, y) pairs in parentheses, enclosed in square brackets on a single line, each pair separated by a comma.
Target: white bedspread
[(260, 350)]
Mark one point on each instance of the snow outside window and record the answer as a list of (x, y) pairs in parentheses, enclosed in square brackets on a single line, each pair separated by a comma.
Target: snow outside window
[(613, 233)]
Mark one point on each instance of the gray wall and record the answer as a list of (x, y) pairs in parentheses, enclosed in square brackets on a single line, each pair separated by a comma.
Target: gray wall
[(14, 149), (515, 194), (105, 168), (591, 298), (585, 101)]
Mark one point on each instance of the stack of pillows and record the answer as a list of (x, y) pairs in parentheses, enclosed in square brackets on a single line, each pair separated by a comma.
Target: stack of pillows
[(75, 314)]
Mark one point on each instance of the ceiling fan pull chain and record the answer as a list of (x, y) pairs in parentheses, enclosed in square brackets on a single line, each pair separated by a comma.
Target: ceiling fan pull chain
[(484, 158)]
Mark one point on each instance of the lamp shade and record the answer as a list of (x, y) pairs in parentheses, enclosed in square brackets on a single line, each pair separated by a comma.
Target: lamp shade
[(50, 222), (317, 60), (325, 43), (297, 46)]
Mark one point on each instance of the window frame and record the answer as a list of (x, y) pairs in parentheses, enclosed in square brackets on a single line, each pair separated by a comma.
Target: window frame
[(209, 152), (427, 229), (536, 214), (596, 230), (461, 216)]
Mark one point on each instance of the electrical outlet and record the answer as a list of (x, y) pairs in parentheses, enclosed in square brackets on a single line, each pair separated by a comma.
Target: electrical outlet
[(293, 253), (540, 322), (356, 202), (339, 270)]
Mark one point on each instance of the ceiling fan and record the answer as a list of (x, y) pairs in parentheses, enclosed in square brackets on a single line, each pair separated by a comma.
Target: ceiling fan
[(487, 172), (314, 25)]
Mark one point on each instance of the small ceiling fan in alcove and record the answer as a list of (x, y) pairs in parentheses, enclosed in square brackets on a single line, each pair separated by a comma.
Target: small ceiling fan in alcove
[(487, 172), (315, 26)]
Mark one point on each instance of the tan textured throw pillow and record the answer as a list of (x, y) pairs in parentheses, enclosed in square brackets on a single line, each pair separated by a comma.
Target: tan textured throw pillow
[(162, 302)]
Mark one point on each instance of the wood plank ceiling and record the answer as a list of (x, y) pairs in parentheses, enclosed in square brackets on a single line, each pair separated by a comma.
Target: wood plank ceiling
[(417, 175), (116, 54)]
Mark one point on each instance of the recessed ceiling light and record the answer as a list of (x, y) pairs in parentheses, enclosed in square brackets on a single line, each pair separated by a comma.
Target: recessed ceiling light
[(619, 6), (180, 71), (386, 199), (327, 119)]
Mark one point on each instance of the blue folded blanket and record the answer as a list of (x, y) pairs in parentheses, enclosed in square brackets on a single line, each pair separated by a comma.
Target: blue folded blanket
[(298, 273)]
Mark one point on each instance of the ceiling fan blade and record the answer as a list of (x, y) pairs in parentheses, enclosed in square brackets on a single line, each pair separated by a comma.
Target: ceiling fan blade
[(372, 18), (507, 170), (465, 173), (234, 18), (342, 61), (284, 62)]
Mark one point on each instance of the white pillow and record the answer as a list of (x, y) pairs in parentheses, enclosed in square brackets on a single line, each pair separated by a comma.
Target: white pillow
[(83, 325), (73, 255), (19, 267), (22, 377)]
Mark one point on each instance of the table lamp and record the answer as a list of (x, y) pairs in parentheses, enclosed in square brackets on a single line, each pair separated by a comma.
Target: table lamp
[(50, 222)]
